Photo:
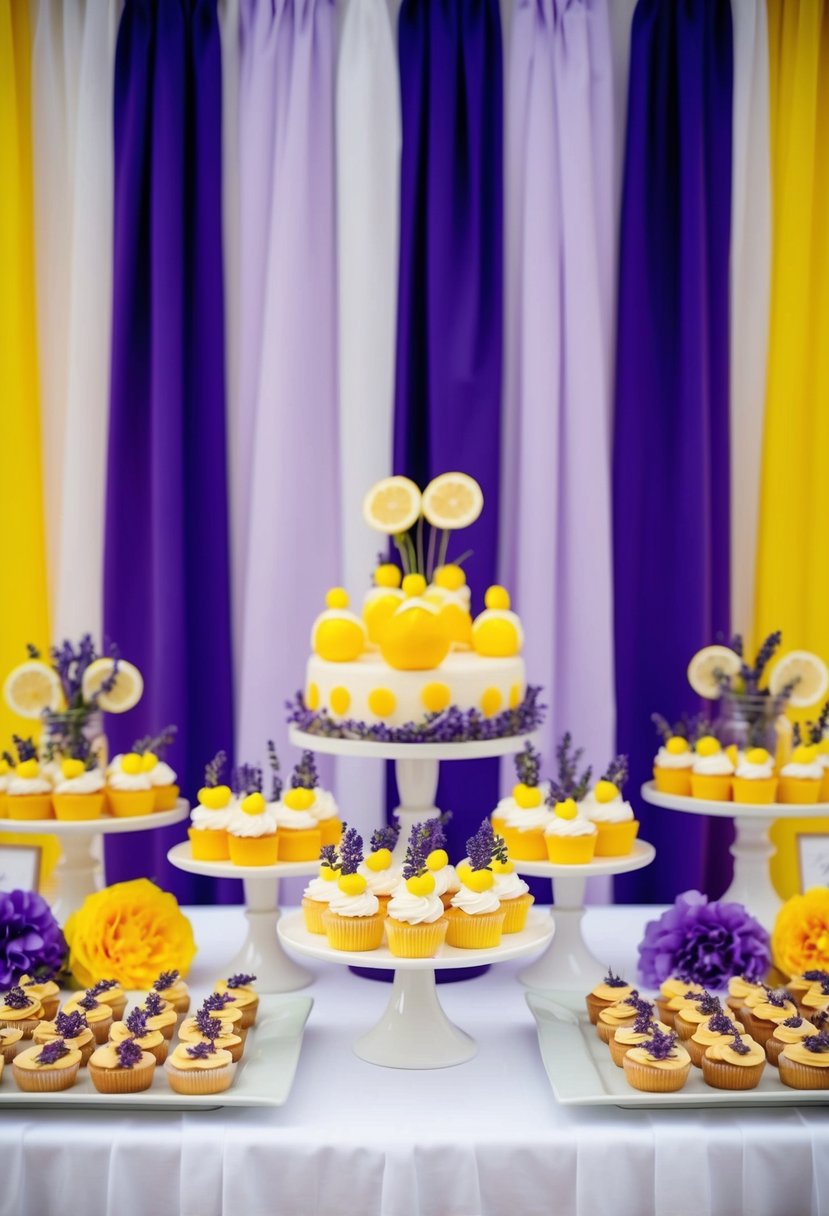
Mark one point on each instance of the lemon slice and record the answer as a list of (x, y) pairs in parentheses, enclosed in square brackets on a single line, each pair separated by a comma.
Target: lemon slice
[(392, 505), (705, 663), (126, 691), (810, 672), (31, 688), (452, 501)]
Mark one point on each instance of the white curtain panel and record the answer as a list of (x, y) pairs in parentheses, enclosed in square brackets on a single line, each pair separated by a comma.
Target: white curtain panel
[(72, 82), (750, 286)]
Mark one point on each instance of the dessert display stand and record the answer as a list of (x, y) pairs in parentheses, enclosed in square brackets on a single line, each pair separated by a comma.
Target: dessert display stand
[(414, 1031), (78, 872), (567, 965), (261, 953), (752, 848)]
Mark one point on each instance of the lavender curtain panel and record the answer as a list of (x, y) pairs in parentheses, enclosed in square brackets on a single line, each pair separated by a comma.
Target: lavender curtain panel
[(450, 292), (166, 578), (671, 456)]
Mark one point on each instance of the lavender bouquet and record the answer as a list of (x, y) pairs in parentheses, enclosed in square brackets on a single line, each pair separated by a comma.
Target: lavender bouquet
[(703, 942)]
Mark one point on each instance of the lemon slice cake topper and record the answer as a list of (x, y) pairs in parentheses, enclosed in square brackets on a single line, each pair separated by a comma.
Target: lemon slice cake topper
[(74, 678), (396, 507)]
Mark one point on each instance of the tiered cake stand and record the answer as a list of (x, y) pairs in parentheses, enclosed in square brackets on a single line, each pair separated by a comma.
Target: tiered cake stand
[(752, 848), (78, 871), (567, 964), (414, 1031), (261, 953)]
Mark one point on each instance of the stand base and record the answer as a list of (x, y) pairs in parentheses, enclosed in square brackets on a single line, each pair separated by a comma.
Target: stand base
[(262, 955), (414, 1031)]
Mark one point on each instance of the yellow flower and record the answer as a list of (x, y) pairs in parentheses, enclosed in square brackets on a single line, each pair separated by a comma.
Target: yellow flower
[(128, 932), (800, 941)]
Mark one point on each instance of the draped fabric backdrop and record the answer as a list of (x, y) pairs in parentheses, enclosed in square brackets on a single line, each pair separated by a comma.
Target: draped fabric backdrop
[(671, 455), (450, 309), (166, 557)]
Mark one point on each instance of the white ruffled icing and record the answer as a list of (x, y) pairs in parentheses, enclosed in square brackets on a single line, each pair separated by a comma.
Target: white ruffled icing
[(320, 890), (381, 882), (324, 806), (717, 765), (89, 782), (666, 759), (806, 772), (755, 772), (529, 819), (476, 902), (509, 886), (130, 782), (286, 818), (615, 811), (206, 820), (161, 774), (579, 826), (364, 904), (415, 909), (251, 826), (29, 785), (446, 880)]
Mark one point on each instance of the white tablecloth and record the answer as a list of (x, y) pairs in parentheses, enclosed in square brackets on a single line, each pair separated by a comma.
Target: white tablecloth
[(483, 1139)]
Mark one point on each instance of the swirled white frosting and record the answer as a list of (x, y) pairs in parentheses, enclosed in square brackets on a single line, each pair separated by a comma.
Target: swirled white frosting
[(717, 765), (446, 880), (320, 890), (415, 909), (251, 826), (615, 811), (666, 759), (476, 902), (206, 820), (324, 806), (286, 818), (364, 904), (89, 782), (509, 886), (161, 774), (808, 772), (381, 882), (129, 782), (29, 785), (570, 827), (527, 819), (755, 772)]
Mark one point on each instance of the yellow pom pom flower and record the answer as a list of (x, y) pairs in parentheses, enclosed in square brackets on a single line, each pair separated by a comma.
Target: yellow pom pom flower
[(800, 938)]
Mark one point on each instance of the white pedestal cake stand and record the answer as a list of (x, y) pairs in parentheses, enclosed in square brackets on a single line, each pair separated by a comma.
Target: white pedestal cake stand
[(414, 1031), (567, 964), (78, 871), (752, 849), (416, 767), (261, 953)]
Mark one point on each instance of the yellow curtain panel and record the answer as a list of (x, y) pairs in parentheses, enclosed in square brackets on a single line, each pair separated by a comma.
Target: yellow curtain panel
[(792, 572)]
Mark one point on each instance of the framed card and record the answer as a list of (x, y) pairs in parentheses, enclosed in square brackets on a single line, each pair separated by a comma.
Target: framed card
[(20, 867), (802, 857), (813, 860)]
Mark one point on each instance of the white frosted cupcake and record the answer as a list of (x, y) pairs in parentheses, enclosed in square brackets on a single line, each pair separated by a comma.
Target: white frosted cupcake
[(416, 924), (570, 838), (379, 869), (711, 776)]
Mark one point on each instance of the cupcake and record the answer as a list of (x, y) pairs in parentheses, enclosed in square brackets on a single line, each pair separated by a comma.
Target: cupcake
[(791, 1030), (320, 890), (199, 1068), (675, 991), (29, 792), (696, 1011), (110, 992), (512, 893), (223, 1005), (10, 1041), (718, 1026), (210, 817), (252, 825), (712, 771), (172, 988), (659, 1065), (735, 1063), (300, 830), (245, 998), (6, 772), (569, 838), (44, 990), (416, 925), (160, 1015), (815, 999), (121, 1068), (136, 1029), (79, 789), (672, 766), (47, 1067), (73, 1028), (476, 918), (634, 1035), (610, 991), (801, 779), (742, 989), (447, 883), (762, 1017), (129, 792), (822, 759), (623, 1014), (613, 817), (322, 806), (799, 985), (203, 1028), (353, 920), (20, 1011), (805, 1065), (379, 870), (97, 1013), (163, 779), (754, 779), (528, 794)]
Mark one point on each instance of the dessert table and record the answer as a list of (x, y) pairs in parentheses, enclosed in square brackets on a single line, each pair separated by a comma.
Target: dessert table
[(483, 1139)]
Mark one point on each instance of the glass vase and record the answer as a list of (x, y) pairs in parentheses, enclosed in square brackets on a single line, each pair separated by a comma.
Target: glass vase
[(65, 727), (752, 720)]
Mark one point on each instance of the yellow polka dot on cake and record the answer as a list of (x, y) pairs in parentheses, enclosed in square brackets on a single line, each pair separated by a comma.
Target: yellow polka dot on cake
[(312, 696), (340, 700), (515, 696), (491, 701), (382, 702), (435, 696)]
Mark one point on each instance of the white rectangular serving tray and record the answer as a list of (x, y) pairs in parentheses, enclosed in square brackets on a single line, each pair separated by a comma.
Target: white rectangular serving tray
[(582, 1073), (264, 1074)]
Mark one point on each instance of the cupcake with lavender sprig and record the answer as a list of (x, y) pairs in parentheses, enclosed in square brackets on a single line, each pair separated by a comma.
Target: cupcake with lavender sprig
[(318, 802), (199, 1068), (761, 1018), (210, 817), (205, 1028), (320, 890), (11, 1041), (673, 762), (609, 991), (29, 792), (528, 793), (20, 1011), (79, 783), (245, 997), (73, 1028), (121, 1068), (816, 999), (805, 1065), (44, 988), (476, 918), (162, 777), (353, 920), (300, 828), (522, 818), (252, 831), (791, 1030), (800, 984), (109, 992), (623, 1013), (716, 1027), (659, 1065), (695, 1012), (224, 1006), (129, 791), (735, 1063), (97, 1013), (46, 1067), (635, 1034), (379, 870), (136, 1028), (416, 923), (447, 883), (604, 806), (160, 1014), (511, 891), (172, 988), (743, 990)]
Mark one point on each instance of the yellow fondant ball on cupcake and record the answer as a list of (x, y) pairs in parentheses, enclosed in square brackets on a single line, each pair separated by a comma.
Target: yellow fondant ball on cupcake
[(338, 635)]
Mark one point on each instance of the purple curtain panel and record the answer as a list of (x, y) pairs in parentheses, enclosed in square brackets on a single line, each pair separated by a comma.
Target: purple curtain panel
[(671, 457), (450, 302), (166, 577)]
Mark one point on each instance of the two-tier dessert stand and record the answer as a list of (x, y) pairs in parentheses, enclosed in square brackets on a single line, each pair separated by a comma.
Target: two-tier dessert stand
[(78, 872), (752, 849)]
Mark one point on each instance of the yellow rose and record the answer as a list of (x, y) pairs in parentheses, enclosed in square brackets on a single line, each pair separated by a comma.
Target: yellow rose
[(128, 932), (800, 941)]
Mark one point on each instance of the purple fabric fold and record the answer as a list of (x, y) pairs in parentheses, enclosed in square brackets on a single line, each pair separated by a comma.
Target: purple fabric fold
[(671, 457)]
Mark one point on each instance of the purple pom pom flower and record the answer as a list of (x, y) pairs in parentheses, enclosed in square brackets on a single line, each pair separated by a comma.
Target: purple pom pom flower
[(31, 941), (704, 942)]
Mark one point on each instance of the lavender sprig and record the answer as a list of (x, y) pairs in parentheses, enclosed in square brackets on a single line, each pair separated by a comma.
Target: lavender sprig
[(70, 1025), (276, 779), (568, 784), (153, 1005), (708, 1003), (416, 852), (485, 847), (102, 986), (25, 748), (16, 998), (528, 765), (305, 774), (328, 856), (721, 1023), (816, 1043), (157, 744), (213, 771), (240, 979), (137, 1023), (89, 1002), (129, 1053), (217, 1002), (247, 779), (351, 851), (614, 981), (739, 1045), (166, 979), (778, 997), (208, 1026), (617, 771), (661, 1045), (52, 1052), (385, 837), (201, 1051), (794, 1022), (644, 1023)]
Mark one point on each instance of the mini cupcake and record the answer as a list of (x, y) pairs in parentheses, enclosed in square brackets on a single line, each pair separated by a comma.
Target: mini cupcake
[(712, 772), (320, 890), (762, 1017), (110, 992), (162, 778), (136, 1029), (672, 766), (172, 988), (822, 759), (210, 817), (416, 925), (300, 831), (476, 918), (223, 1005), (353, 920), (754, 779), (10, 1041), (735, 1063), (623, 1014), (528, 794), (160, 1015), (447, 882), (712, 1030), (791, 1030), (692, 1015), (206, 1029), (79, 789), (570, 838), (816, 999), (675, 991), (610, 991), (799, 985), (742, 989), (97, 1013), (801, 779), (20, 1011), (613, 817), (252, 826), (634, 1035), (321, 806), (129, 791), (199, 1068), (73, 1028), (46, 1068), (379, 870), (29, 792), (805, 1065), (245, 997), (121, 1068), (44, 990), (660, 1065), (512, 893)]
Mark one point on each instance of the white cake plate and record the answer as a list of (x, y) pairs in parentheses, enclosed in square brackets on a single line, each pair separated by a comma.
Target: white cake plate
[(78, 871), (752, 848), (567, 964), (416, 767), (414, 1031), (261, 953)]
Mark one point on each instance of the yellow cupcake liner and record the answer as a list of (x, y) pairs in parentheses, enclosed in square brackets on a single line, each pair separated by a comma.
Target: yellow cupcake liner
[(774, 1048), (655, 1080), (45, 1080), (29, 806), (616, 839), (330, 831), (4, 811), (606, 1030), (571, 850), (525, 846), (165, 797), (719, 1074), (802, 1076), (515, 912), (353, 933), (758, 792), (799, 790), (299, 844), (595, 1004), (200, 1080), (498, 824), (672, 780), (123, 1080), (253, 850), (822, 797), (415, 941), (78, 806), (129, 804), (469, 932), (711, 788), (312, 910), (209, 845)]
